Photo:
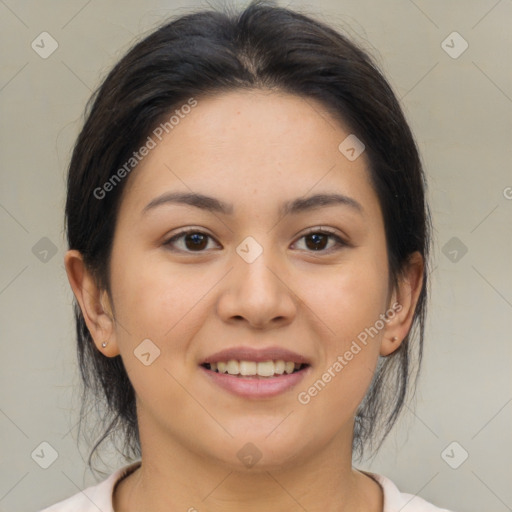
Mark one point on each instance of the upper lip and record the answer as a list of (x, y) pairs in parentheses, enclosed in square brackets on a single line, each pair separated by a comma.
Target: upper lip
[(257, 355)]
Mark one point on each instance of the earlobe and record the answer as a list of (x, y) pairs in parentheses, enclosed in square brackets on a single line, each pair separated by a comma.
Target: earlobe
[(93, 302), (389, 345), (406, 296)]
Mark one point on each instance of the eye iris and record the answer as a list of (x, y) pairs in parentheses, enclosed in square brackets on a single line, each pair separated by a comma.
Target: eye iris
[(197, 239), (317, 238)]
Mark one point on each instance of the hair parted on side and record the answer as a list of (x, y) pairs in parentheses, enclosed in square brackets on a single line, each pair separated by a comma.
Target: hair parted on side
[(208, 52)]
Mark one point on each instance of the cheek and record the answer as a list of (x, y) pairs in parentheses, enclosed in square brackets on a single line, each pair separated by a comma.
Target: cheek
[(164, 303), (152, 296), (153, 303), (349, 302), (348, 297)]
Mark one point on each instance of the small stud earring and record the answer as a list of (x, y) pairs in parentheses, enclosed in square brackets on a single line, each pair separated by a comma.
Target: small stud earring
[(104, 344), (394, 338)]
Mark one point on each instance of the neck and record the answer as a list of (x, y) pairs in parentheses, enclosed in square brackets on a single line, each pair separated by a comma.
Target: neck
[(180, 479)]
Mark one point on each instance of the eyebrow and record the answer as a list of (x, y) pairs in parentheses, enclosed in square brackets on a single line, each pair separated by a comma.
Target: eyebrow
[(212, 204)]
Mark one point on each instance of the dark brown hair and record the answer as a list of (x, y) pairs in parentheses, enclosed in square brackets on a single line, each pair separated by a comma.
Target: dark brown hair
[(206, 52)]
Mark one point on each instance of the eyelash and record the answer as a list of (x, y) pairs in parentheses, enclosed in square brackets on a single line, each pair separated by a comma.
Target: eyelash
[(340, 243)]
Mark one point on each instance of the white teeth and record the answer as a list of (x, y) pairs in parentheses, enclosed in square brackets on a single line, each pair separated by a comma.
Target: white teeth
[(266, 368), (279, 366), (289, 367), (233, 368), (262, 368), (248, 367)]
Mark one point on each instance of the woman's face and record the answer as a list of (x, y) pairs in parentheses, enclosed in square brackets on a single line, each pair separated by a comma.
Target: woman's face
[(257, 278)]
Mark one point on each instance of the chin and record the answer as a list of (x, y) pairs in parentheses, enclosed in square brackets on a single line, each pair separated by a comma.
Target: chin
[(261, 452)]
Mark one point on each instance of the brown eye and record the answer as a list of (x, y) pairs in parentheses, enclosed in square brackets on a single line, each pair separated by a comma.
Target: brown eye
[(193, 241), (196, 241), (319, 239)]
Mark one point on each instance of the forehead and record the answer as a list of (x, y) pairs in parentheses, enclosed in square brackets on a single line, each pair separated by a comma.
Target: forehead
[(245, 144)]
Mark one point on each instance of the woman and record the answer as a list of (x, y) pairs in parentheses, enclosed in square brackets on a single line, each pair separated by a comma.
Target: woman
[(248, 248)]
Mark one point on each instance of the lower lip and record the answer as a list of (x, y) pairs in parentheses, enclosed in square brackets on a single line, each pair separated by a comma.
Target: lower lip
[(255, 387)]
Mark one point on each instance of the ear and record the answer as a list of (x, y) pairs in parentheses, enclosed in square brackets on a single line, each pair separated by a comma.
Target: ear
[(94, 303), (403, 304)]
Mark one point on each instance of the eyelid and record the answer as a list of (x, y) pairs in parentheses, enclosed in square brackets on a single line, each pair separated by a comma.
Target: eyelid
[(321, 229)]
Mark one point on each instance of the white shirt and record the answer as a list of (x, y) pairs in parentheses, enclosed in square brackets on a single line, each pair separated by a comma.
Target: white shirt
[(99, 497)]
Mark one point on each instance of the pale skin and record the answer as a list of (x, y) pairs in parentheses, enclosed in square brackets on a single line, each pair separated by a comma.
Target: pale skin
[(253, 150)]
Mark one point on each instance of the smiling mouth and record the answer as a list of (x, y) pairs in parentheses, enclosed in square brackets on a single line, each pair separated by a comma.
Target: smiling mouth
[(255, 370)]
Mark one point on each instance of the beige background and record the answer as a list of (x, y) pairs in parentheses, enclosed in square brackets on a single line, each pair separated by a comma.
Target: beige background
[(460, 110)]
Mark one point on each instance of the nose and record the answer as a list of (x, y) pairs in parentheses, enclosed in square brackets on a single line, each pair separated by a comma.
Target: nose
[(257, 293)]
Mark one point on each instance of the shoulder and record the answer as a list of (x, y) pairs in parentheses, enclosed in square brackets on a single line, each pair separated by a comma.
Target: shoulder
[(395, 501), (94, 498)]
